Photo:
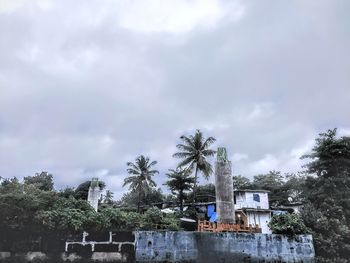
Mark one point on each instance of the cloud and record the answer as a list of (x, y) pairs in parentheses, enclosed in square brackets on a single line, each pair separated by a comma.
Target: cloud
[(88, 86), (175, 17)]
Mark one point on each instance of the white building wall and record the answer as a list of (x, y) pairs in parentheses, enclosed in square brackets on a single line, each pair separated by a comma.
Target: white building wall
[(260, 218), (245, 200), (93, 196)]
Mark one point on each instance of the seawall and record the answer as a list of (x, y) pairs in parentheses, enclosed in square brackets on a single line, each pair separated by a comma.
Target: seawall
[(162, 246)]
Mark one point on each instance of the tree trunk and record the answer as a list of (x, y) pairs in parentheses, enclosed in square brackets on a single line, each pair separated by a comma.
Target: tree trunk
[(139, 201), (195, 186), (181, 202)]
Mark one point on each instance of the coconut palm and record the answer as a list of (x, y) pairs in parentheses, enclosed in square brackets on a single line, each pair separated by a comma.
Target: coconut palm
[(179, 182), (141, 176), (194, 151)]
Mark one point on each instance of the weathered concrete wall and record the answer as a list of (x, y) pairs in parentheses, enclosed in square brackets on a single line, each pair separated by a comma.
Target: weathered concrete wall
[(222, 247), (83, 247), (94, 195), (224, 192), (153, 246)]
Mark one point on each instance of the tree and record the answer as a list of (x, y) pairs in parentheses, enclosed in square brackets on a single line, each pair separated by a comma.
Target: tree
[(327, 211), (194, 150), (287, 224), (273, 182), (82, 190), (148, 198), (294, 187), (67, 192), (240, 182), (43, 181), (179, 182), (108, 197), (9, 185), (153, 219), (204, 193), (141, 176)]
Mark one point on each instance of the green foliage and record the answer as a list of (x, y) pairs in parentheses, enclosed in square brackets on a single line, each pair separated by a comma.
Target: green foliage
[(294, 187), (67, 192), (9, 185), (108, 197), (281, 187), (240, 182), (204, 193), (153, 218), (133, 221), (179, 182), (327, 212), (65, 214), (43, 181), (27, 207), (140, 179), (287, 224), (147, 199), (19, 203), (194, 150), (82, 190), (273, 182)]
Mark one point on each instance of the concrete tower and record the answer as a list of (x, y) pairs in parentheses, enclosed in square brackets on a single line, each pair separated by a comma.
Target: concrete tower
[(94, 193), (225, 208)]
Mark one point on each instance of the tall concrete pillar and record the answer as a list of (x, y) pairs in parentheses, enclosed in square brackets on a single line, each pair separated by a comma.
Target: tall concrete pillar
[(225, 208), (94, 193)]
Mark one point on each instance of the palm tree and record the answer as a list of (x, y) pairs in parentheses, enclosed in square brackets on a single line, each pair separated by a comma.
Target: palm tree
[(194, 150), (179, 181), (141, 176)]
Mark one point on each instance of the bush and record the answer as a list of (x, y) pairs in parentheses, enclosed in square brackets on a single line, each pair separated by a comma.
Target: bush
[(288, 224), (154, 219)]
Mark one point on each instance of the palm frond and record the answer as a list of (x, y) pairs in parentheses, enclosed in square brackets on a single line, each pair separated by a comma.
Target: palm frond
[(188, 140), (208, 152), (185, 148), (151, 164), (208, 142), (187, 162), (133, 171), (182, 155)]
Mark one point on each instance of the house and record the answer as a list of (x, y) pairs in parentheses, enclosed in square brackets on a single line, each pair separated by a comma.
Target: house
[(292, 208), (252, 208)]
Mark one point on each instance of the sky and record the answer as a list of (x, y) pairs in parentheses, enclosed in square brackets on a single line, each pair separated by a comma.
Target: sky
[(86, 86)]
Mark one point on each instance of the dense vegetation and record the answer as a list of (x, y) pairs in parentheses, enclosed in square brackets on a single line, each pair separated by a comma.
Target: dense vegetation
[(323, 187)]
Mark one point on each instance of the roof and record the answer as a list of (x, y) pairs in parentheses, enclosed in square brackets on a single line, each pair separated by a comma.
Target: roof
[(251, 190), (254, 209)]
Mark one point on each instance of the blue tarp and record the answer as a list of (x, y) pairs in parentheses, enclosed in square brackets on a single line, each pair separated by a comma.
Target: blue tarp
[(213, 217), (210, 210)]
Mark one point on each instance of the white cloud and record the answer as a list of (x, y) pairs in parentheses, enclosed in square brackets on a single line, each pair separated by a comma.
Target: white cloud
[(239, 157), (175, 16), (8, 6), (88, 85)]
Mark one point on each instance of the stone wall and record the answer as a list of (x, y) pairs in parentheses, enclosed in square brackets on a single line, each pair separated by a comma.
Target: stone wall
[(161, 246), (222, 247)]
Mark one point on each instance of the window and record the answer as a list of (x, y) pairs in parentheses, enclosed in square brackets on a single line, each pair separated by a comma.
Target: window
[(256, 197)]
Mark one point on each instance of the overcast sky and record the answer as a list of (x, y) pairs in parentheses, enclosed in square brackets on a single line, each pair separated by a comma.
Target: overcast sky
[(86, 86)]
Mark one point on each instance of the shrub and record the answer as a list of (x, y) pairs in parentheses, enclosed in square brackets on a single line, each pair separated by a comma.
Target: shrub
[(288, 224)]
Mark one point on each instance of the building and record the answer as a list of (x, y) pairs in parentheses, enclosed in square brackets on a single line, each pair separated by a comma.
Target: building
[(252, 208), (292, 208), (94, 193)]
